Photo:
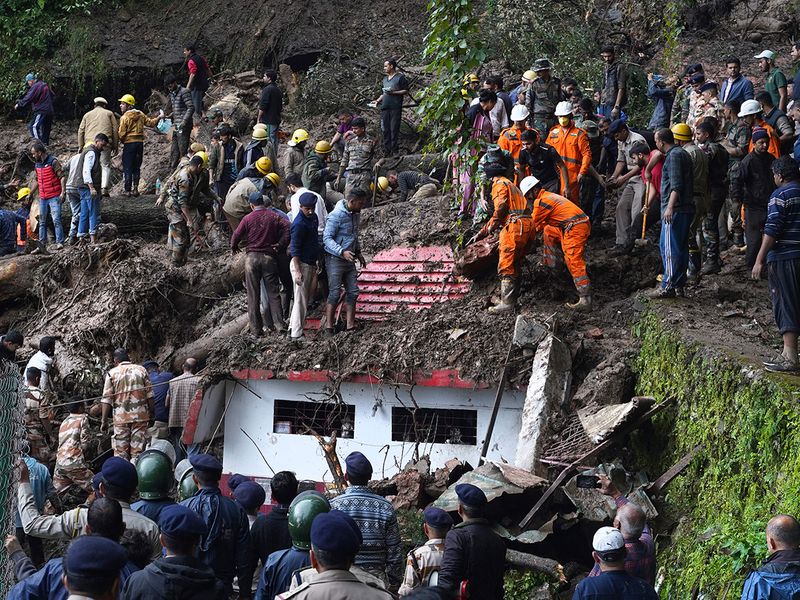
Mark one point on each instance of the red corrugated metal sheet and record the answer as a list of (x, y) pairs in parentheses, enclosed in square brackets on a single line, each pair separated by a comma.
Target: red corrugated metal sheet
[(413, 278)]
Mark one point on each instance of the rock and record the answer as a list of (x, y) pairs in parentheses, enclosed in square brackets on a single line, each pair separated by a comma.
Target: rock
[(610, 382), (528, 332), (409, 489), (479, 259), (595, 333)]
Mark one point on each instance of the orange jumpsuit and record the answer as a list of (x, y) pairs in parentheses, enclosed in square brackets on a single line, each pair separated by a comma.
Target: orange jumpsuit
[(565, 226), (511, 140), (572, 145), (774, 140), (512, 213)]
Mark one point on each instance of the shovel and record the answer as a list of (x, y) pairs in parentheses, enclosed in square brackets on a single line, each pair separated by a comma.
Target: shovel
[(642, 241)]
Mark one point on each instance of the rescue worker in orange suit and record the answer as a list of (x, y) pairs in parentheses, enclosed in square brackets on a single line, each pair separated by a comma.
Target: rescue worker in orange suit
[(572, 145), (512, 216), (565, 229), (510, 138)]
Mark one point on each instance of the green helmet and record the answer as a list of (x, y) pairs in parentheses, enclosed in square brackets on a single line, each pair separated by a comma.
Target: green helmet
[(154, 469), (302, 511), (187, 487)]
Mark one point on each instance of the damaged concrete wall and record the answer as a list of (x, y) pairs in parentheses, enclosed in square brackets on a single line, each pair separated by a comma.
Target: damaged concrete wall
[(548, 390)]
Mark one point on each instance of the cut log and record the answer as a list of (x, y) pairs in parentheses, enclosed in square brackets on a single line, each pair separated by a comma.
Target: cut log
[(17, 275)]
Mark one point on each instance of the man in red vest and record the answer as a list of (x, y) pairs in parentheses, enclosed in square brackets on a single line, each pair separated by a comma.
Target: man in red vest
[(50, 180)]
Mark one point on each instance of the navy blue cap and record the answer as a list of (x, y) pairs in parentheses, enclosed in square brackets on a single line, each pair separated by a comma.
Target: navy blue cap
[(94, 556), (331, 532), (358, 465), (308, 199), (437, 518), (120, 473), (98, 477), (235, 480), (180, 521), (709, 85), (471, 495), (697, 78), (255, 198), (250, 495), (149, 363), (694, 68), (205, 463), (616, 125)]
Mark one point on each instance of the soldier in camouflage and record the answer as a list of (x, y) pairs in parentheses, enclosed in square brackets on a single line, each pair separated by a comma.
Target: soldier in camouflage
[(38, 429), (542, 96), (356, 165), (74, 438), (182, 200), (128, 391)]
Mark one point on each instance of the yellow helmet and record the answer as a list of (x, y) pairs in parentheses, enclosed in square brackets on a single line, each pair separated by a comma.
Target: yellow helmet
[(23, 192), (204, 155), (127, 99), (259, 134), (682, 132), (264, 165), (299, 135), (528, 76), (323, 147), (471, 78), (383, 185), (274, 179)]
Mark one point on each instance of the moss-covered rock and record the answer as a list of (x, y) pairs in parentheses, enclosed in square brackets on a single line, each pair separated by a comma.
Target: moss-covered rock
[(748, 423)]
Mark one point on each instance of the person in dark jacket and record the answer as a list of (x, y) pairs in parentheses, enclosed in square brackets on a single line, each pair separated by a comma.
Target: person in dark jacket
[(182, 119), (40, 97), (316, 170), (305, 252), (225, 547), (270, 106), (104, 520), (614, 581), (270, 532), (755, 186), (179, 575), (779, 576), (199, 77), (473, 552)]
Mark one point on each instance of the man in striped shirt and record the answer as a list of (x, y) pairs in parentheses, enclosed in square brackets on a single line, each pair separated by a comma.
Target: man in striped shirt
[(780, 254), (380, 553)]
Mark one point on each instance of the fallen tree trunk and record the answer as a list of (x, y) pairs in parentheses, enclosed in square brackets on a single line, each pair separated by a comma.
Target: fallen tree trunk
[(548, 566), (201, 348), (130, 215)]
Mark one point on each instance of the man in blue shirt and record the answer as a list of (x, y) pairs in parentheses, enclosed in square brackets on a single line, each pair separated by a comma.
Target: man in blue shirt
[(780, 253), (677, 212), (160, 381), (662, 95), (341, 252), (304, 250), (613, 581), (43, 489), (779, 576), (736, 86)]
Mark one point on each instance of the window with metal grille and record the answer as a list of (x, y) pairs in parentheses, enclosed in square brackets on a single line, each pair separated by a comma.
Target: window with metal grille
[(303, 418), (435, 425)]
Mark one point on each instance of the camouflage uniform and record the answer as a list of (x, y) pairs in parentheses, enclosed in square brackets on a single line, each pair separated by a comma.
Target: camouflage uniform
[(74, 436), (738, 135), (37, 410), (180, 194), (422, 562), (541, 100), (357, 162), (127, 390)]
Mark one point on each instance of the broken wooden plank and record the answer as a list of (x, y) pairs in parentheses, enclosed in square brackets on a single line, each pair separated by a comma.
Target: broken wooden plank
[(591, 454), (673, 471)]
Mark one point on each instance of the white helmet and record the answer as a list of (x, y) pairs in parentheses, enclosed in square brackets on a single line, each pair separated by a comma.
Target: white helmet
[(520, 113), (750, 107), (564, 109), (526, 184)]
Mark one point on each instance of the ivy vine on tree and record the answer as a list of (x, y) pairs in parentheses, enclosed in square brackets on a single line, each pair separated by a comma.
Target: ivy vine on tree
[(452, 50)]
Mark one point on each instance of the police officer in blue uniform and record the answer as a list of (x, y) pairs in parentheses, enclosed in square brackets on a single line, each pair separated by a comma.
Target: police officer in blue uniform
[(180, 574), (91, 568), (225, 547)]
